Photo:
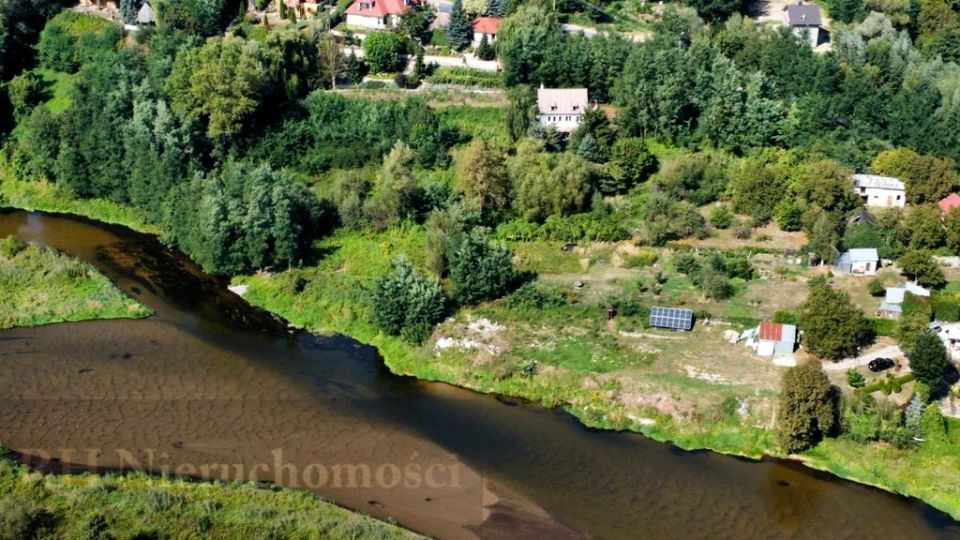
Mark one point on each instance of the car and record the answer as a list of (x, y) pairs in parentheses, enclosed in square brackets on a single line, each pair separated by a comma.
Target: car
[(880, 364)]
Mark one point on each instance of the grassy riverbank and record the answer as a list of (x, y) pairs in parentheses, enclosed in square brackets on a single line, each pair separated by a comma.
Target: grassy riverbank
[(36, 505), (40, 285), (698, 392)]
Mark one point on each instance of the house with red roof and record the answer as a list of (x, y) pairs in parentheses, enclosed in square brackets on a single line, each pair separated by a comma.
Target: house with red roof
[(485, 26), (949, 202), (377, 14)]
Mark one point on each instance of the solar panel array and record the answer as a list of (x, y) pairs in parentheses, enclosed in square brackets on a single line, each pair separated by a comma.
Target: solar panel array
[(675, 318)]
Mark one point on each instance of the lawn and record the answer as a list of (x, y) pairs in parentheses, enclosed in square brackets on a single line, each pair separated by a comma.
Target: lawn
[(35, 505), (40, 285)]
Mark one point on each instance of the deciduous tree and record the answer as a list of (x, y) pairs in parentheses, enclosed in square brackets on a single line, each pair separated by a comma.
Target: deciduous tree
[(808, 407), (832, 326)]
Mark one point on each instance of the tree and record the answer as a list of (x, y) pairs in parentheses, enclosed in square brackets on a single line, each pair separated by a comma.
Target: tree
[(919, 265), (129, 9), (497, 8), (716, 10), (832, 326), (20, 24), (197, 17), (530, 46), (928, 178), (415, 22), (484, 50), (332, 59), (721, 217), (928, 359), (631, 162), (460, 29), (807, 407), (789, 215), (951, 225), (222, 83), (482, 176), (382, 51), (847, 11), (395, 192), (479, 268), (756, 189), (823, 238), (545, 184), (522, 111), (406, 303), (698, 178)]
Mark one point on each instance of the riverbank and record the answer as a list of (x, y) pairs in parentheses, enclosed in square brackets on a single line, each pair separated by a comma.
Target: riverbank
[(34, 505), (588, 374), (40, 285)]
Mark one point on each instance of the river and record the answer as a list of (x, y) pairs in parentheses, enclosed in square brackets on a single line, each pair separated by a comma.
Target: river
[(213, 388)]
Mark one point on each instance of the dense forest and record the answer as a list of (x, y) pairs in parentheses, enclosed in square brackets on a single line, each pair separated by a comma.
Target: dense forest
[(228, 137)]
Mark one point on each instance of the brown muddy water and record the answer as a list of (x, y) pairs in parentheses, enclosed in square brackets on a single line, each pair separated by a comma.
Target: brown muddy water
[(213, 388)]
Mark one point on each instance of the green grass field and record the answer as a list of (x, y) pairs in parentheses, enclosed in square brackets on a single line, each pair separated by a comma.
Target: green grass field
[(35, 505), (40, 285)]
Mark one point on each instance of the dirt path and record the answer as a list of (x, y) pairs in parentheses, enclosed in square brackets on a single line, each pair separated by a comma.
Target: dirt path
[(881, 351)]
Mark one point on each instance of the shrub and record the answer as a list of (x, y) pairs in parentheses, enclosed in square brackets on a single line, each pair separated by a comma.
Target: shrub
[(784, 316), (406, 303), (855, 379), (461, 76), (946, 308), (686, 263), (876, 288), (721, 217), (742, 231), (640, 259), (883, 327), (11, 246), (479, 268), (383, 50), (535, 296)]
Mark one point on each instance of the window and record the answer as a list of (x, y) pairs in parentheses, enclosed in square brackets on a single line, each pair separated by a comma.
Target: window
[(553, 107), (898, 197)]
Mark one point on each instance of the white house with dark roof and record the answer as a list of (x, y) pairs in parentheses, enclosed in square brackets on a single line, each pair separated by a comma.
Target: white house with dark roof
[(876, 190), (859, 261), (562, 108), (804, 20)]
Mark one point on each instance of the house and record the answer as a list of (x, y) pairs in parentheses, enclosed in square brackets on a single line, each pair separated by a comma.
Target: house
[(562, 108), (377, 14), (876, 190), (949, 202), (485, 27), (146, 15), (804, 20), (859, 261), (949, 334), (891, 308)]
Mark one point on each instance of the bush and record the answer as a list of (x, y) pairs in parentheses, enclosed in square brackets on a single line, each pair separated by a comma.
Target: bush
[(479, 268), (686, 263), (946, 307), (855, 379), (461, 76), (383, 50), (406, 303), (784, 316), (640, 259), (883, 327), (721, 217), (11, 246), (876, 288), (21, 519), (535, 296)]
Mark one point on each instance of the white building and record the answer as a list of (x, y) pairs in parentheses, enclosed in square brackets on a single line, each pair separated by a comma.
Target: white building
[(485, 27), (562, 108), (891, 306), (377, 14), (876, 190), (804, 20), (859, 261)]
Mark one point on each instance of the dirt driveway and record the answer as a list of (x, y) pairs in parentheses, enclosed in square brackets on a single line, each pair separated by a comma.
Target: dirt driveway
[(884, 348)]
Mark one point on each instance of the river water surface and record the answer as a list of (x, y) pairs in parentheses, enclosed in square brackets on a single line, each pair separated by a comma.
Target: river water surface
[(211, 387)]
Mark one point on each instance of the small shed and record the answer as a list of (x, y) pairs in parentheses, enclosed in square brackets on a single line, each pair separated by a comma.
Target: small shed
[(146, 15), (891, 308), (774, 338), (859, 261)]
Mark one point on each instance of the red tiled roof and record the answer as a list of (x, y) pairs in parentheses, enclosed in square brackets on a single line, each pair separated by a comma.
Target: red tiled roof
[(378, 8), (486, 25), (771, 331), (950, 201)]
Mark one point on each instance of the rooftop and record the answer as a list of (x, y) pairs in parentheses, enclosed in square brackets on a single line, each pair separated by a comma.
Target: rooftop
[(771, 331), (486, 25), (950, 201), (863, 255), (895, 294), (562, 100), (805, 15), (877, 182), (378, 8)]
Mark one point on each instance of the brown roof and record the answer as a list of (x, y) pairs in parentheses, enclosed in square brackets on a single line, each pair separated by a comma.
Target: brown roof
[(771, 331)]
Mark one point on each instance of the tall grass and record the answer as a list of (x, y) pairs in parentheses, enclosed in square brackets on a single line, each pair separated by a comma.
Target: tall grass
[(40, 285)]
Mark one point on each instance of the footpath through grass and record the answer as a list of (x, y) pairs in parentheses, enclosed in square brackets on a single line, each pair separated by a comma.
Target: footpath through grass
[(40, 285), (36, 505)]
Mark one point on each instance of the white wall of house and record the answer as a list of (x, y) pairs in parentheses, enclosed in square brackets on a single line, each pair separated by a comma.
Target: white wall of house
[(868, 268), (478, 37), (376, 23), (564, 123), (813, 34), (893, 198)]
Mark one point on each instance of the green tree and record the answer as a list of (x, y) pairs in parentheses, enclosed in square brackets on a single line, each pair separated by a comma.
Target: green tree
[(482, 177), (847, 11), (522, 111), (807, 408), (530, 46), (717, 10), (919, 265), (923, 228), (698, 178), (951, 225), (823, 238), (479, 268), (832, 326), (395, 191), (485, 51), (756, 189), (928, 359), (383, 52), (932, 426), (406, 302), (545, 184), (631, 162), (721, 217), (25, 92), (221, 83), (415, 22), (789, 215), (460, 28)]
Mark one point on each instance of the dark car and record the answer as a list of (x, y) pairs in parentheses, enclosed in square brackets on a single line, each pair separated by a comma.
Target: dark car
[(880, 364)]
